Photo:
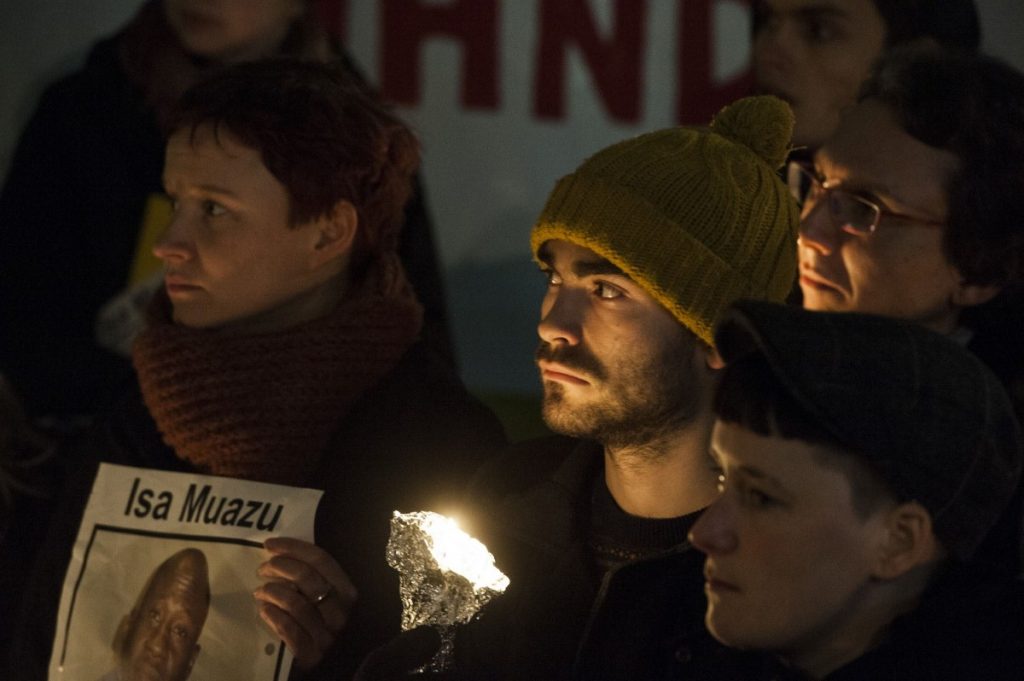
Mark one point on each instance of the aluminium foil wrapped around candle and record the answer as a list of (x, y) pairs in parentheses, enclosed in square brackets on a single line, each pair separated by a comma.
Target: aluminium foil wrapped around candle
[(445, 576)]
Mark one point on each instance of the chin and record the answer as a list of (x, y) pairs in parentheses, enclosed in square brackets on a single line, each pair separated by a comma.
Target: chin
[(192, 320), (564, 418), (815, 301), (728, 635)]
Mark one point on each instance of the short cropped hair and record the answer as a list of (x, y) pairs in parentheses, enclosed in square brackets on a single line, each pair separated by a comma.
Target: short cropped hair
[(973, 107), (751, 396), (950, 23), (320, 134)]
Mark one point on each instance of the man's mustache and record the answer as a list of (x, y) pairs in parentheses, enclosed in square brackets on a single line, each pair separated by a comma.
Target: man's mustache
[(574, 357)]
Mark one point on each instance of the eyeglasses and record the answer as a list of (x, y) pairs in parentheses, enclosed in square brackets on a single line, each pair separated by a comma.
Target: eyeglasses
[(850, 212)]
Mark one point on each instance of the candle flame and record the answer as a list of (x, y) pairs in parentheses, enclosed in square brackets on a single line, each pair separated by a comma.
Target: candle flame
[(456, 551)]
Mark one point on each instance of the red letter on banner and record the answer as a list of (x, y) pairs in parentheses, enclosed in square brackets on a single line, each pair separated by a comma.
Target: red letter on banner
[(615, 63), (407, 24), (699, 97)]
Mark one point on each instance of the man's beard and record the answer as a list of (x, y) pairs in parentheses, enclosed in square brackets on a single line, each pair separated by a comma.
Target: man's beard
[(646, 399)]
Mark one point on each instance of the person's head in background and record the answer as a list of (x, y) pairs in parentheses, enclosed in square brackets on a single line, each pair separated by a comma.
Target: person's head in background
[(912, 209), (859, 456), (816, 53), (288, 184), (231, 31), (172, 44)]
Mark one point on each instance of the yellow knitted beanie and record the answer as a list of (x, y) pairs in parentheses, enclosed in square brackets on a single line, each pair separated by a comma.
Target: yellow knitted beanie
[(696, 216)]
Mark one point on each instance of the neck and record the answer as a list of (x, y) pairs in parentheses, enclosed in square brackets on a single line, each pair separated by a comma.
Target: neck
[(306, 306), (860, 627), (943, 321), (666, 478)]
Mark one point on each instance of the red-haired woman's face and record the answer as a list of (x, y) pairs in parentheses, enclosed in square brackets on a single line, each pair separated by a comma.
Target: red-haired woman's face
[(231, 258)]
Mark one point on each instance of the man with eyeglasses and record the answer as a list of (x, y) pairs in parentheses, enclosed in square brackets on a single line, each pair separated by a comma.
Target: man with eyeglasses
[(913, 210)]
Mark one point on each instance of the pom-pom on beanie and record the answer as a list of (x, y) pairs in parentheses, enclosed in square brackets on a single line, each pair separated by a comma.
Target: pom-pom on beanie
[(697, 216)]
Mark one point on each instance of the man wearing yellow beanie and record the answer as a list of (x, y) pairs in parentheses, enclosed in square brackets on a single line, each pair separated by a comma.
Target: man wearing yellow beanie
[(644, 247)]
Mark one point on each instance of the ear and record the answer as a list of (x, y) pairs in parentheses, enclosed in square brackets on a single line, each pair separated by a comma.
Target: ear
[(969, 295), (907, 541), (335, 233), (121, 634), (713, 359), (192, 660)]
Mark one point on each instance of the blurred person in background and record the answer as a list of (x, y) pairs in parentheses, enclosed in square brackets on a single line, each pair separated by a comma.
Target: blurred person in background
[(816, 53)]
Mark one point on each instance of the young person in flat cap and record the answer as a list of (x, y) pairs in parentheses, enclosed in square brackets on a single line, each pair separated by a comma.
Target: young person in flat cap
[(863, 459), (643, 247), (285, 346)]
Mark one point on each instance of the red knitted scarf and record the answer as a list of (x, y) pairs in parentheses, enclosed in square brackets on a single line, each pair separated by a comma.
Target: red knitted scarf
[(263, 407)]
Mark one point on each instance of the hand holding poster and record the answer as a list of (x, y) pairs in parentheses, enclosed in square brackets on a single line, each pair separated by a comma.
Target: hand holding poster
[(162, 574)]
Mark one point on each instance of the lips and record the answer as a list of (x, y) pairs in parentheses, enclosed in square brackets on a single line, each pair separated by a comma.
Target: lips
[(176, 285), (810, 277), (717, 584), (551, 371)]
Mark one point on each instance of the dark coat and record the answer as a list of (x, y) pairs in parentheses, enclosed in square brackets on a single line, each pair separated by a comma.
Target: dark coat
[(998, 341), (559, 619), (71, 216), (410, 443)]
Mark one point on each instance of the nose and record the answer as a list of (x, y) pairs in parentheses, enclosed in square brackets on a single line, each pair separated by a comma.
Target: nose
[(157, 643), (174, 244), (817, 230), (714, 533), (560, 317)]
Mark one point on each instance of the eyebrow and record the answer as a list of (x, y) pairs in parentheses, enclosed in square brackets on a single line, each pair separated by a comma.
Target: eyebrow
[(761, 476), (820, 10), (878, 190), (583, 268), (211, 189), (214, 189)]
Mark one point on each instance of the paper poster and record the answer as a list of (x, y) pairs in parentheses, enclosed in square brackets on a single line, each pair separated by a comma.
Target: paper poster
[(161, 577)]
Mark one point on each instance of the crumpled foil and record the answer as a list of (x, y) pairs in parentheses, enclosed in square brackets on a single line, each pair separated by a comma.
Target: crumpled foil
[(445, 576)]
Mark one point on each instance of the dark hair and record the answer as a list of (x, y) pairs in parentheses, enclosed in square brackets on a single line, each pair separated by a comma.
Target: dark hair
[(320, 134), (752, 397), (951, 23), (972, 106)]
